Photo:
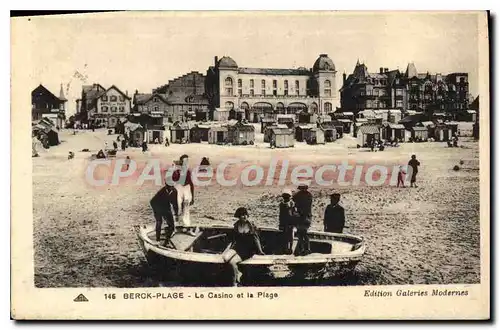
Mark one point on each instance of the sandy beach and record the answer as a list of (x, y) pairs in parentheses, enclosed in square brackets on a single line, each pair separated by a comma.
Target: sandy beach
[(83, 235)]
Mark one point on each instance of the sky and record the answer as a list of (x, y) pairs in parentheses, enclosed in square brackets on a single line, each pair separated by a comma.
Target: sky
[(143, 50)]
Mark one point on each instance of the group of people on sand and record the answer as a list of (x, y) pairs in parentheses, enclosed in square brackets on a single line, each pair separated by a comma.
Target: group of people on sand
[(413, 163)]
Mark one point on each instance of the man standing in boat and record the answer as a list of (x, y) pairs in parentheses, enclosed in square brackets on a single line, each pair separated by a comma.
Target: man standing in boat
[(184, 186), (303, 203), (334, 221), (287, 221), (162, 204)]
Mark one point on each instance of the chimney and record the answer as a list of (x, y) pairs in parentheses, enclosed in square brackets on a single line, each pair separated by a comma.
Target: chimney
[(136, 91), (344, 77), (216, 60), (381, 70)]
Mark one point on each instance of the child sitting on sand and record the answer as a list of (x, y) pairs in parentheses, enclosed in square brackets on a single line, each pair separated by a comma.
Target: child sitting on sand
[(401, 176)]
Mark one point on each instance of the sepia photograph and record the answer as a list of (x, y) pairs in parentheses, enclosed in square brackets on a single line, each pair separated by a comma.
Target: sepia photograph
[(263, 151)]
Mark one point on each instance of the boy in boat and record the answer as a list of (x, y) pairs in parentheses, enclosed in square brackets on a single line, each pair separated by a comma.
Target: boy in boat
[(334, 221), (245, 243), (286, 220), (303, 203), (162, 204)]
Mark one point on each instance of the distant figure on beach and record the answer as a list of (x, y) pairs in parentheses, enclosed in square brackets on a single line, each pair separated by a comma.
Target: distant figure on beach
[(303, 202), (401, 177), (167, 143), (124, 145), (334, 221), (184, 185), (105, 145), (144, 146), (287, 215), (115, 145), (245, 243), (414, 164), (162, 203), (71, 155), (127, 163)]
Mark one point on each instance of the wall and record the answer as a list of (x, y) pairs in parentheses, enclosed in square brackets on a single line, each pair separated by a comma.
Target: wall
[(113, 107)]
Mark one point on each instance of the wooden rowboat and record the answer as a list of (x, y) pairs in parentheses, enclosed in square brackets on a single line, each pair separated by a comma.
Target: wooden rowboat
[(196, 253)]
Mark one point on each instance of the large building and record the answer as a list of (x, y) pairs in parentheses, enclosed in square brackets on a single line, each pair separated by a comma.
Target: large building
[(104, 107), (254, 92), (44, 104), (392, 89)]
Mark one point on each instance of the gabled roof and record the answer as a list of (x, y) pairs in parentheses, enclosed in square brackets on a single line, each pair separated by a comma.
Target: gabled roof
[(143, 98), (115, 88), (369, 129)]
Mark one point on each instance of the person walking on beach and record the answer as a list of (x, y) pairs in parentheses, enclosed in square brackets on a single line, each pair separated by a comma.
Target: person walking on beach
[(245, 243), (401, 177), (334, 221), (115, 145), (144, 146), (124, 144), (162, 203), (303, 202), (414, 164), (286, 221), (127, 163)]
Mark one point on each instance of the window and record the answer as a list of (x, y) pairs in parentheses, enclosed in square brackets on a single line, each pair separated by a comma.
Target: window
[(328, 107), (104, 109), (105, 98), (240, 92), (122, 98), (228, 83), (122, 109), (229, 105), (275, 84), (155, 99), (155, 108), (328, 88), (251, 83), (375, 104), (113, 98), (239, 83), (368, 103), (263, 84), (399, 104), (286, 84), (361, 92), (399, 92), (375, 92), (263, 92), (113, 109), (297, 87), (252, 92), (275, 92)]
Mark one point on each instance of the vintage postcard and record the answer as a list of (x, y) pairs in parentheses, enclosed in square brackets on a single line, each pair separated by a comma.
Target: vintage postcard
[(251, 165)]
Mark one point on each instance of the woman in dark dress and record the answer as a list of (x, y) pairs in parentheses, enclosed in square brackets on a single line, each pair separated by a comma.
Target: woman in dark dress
[(245, 243)]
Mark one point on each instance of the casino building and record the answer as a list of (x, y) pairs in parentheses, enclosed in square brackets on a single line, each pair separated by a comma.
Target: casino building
[(252, 93)]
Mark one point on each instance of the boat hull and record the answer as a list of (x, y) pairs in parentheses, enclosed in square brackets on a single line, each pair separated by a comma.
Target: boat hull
[(203, 268)]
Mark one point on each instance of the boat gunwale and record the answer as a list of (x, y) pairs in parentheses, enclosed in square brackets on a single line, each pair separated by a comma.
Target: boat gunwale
[(256, 260)]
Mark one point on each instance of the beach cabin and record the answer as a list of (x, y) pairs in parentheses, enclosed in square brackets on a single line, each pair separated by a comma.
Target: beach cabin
[(471, 115), (268, 130), (393, 132), (419, 133), (359, 122), (314, 135), (241, 133), (136, 134), (155, 133), (179, 132), (282, 136), (304, 117), (288, 120), (430, 127), (394, 116), (266, 122), (218, 134), (454, 127), (346, 125), (330, 131), (299, 131), (199, 133), (443, 132), (367, 133)]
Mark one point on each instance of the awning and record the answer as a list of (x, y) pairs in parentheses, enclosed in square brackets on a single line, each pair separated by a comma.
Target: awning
[(344, 120), (419, 129), (369, 129), (396, 126)]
